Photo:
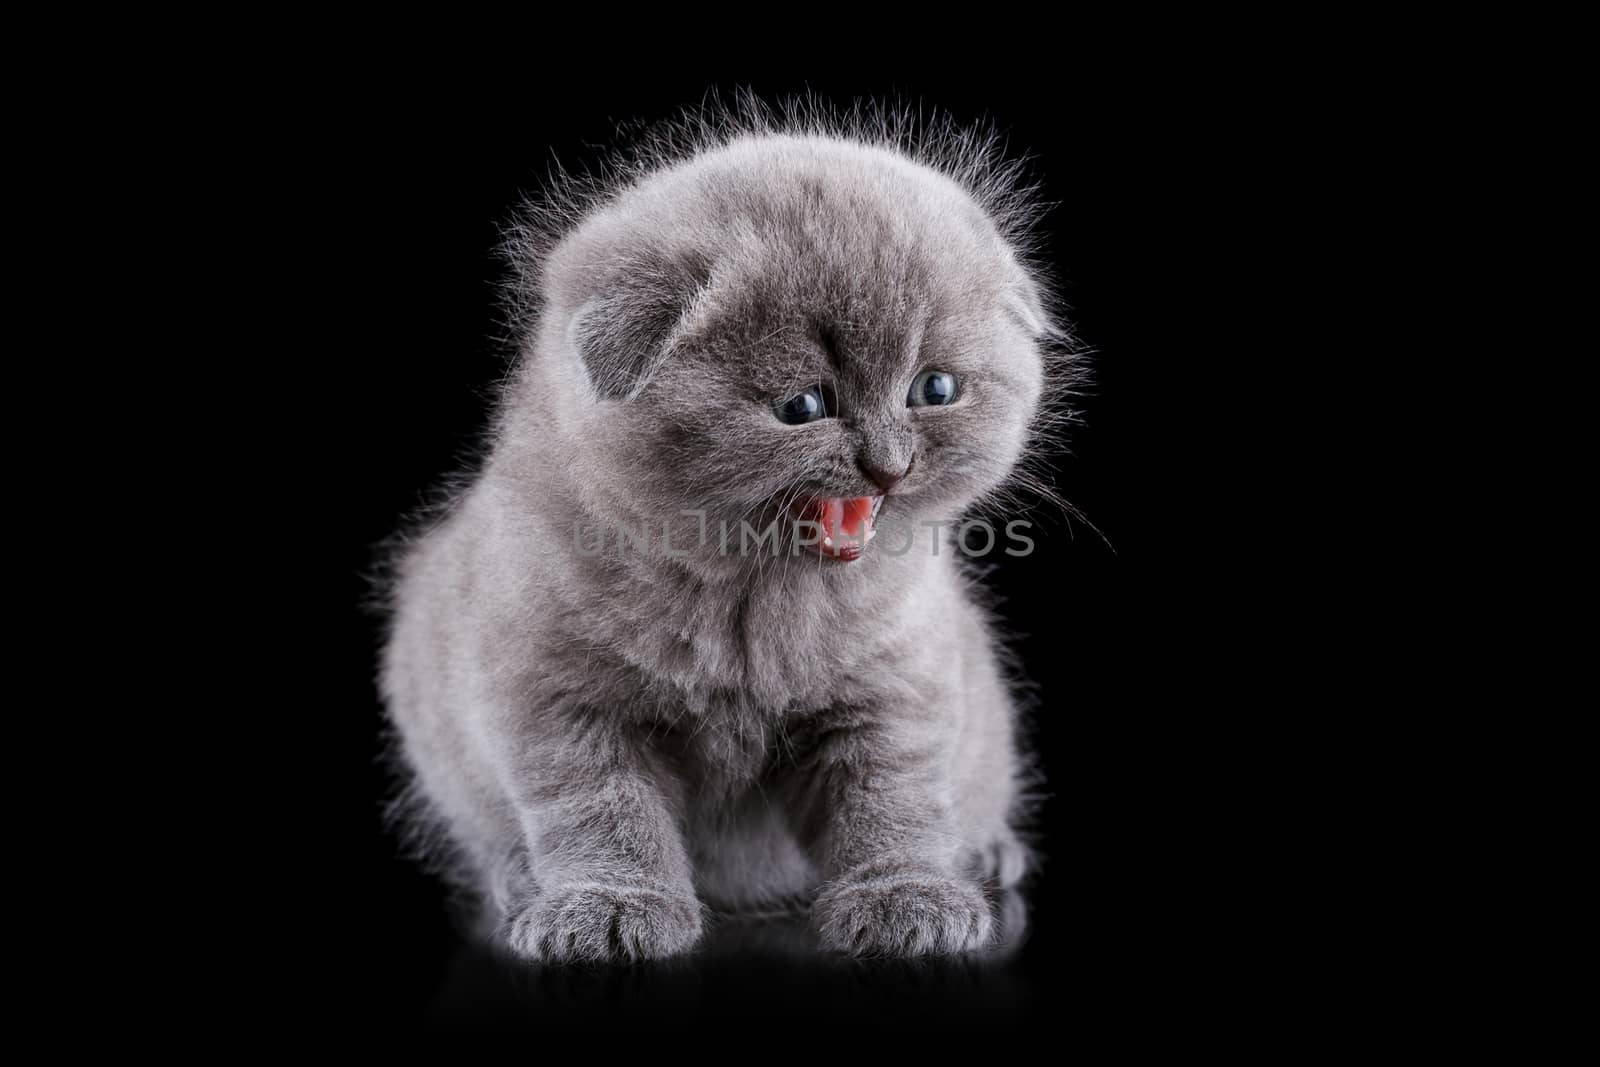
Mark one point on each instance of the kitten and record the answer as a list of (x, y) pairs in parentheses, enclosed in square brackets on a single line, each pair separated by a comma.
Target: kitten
[(622, 708)]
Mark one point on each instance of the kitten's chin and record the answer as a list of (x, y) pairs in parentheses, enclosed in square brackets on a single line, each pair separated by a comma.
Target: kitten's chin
[(836, 527)]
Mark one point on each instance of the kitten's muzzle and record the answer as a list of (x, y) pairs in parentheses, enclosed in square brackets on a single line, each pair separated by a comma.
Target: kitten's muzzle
[(839, 527), (884, 478)]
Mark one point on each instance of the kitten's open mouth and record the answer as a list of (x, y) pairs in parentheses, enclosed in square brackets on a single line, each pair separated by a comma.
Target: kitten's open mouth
[(843, 523)]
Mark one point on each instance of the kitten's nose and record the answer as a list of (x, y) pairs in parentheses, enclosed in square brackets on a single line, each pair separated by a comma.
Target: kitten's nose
[(883, 479)]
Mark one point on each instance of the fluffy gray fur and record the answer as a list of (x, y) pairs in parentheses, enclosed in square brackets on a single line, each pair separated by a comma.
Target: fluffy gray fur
[(610, 744)]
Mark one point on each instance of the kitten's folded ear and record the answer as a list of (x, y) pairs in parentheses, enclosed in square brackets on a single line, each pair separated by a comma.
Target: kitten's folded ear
[(1027, 306), (623, 331)]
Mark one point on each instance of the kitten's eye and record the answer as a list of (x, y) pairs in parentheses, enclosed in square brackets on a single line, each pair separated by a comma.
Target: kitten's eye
[(807, 407), (932, 388)]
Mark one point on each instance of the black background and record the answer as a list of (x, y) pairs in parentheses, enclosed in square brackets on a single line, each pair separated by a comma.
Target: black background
[(1185, 195)]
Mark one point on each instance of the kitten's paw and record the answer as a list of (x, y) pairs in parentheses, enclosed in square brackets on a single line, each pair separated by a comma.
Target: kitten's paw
[(596, 923), (1003, 862), (902, 913)]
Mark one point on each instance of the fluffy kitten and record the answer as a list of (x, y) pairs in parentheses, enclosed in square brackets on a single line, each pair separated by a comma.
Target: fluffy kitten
[(767, 321)]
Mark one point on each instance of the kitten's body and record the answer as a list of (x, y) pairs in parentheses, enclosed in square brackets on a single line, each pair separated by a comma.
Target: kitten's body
[(613, 740)]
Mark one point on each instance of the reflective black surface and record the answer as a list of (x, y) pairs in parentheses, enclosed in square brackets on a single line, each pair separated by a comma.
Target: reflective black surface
[(744, 971)]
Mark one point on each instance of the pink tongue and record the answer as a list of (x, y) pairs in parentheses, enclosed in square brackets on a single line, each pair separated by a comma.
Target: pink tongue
[(843, 519)]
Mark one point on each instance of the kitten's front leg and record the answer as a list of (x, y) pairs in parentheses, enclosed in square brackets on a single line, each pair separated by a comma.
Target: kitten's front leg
[(611, 877), (876, 817)]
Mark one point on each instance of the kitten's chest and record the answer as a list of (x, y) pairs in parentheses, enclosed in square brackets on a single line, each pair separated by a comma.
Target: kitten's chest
[(742, 676), (722, 742), (747, 662)]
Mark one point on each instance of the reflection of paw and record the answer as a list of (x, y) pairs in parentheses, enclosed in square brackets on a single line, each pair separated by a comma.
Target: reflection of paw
[(595, 922), (902, 913)]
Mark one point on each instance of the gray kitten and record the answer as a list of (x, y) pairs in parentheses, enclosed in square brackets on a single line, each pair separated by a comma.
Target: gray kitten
[(618, 706)]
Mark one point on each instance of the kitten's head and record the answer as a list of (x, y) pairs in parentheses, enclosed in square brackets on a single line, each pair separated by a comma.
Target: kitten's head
[(790, 327)]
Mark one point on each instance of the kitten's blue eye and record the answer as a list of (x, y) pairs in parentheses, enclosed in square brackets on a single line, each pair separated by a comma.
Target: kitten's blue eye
[(807, 407), (932, 388)]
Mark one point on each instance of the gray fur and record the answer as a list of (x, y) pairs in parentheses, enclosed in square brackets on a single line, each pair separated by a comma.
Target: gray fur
[(611, 743)]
